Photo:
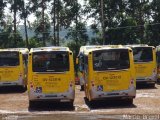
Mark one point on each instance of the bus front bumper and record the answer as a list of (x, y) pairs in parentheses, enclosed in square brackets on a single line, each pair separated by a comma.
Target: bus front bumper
[(151, 79), (122, 94), (61, 97), (158, 78), (12, 83)]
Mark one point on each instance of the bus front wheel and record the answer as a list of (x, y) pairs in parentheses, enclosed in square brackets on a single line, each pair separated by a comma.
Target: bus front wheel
[(129, 101), (71, 103), (32, 104), (25, 87), (82, 87), (152, 85)]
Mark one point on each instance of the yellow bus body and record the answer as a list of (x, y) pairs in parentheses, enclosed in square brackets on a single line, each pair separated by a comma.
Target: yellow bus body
[(146, 71), (158, 62), (110, 84), (55, 86), (80, 62), (12, 75)]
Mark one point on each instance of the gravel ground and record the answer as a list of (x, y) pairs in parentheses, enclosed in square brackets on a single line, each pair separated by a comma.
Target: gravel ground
[(14, 106)]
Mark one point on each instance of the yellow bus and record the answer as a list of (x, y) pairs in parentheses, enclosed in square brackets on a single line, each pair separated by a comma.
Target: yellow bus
[(51, 75), (13, 67), (158, 63), (145, 64), (81, 60), (109, 73)]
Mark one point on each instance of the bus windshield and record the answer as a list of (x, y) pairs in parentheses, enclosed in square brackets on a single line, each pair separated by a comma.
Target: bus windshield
[(142, 54), (9, 58), (111, 59), (50, 61)]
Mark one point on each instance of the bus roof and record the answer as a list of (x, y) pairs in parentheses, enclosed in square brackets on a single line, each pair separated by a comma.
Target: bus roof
[(106, 47), (137, 45), (113, 46), (158, 48), (84, 49), (54, 48), (23, 50), (134, 46)]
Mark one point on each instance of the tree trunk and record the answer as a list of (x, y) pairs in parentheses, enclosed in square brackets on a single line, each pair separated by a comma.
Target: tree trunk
[(43, 24), (76, 26), (54, 24), (15, 27), (26, 32), (58, 24), (102, 21), (141, 22)]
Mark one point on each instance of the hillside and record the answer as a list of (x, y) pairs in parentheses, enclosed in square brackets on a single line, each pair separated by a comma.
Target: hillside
[(63, 32)]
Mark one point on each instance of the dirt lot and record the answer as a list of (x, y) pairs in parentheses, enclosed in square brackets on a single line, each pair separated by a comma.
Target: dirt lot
[(14, 106)]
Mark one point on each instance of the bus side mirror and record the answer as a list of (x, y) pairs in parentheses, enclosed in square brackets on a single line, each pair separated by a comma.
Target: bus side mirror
[(76, 60)]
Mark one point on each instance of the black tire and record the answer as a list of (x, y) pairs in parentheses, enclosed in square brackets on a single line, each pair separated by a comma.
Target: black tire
[(152, 85), (82, 87), (71, 104), (32, 104), (85, 90), (92, 103), (24, 88), (158, 81), (129, 101)]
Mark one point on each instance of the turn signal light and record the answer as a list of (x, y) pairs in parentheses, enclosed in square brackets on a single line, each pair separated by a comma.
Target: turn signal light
[(92, 83)]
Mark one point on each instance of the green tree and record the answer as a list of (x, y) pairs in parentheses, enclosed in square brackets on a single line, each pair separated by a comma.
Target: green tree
[(7, 36), (24, 15), (6, 31), (118, 15), (78, 37), (2, 6), (153, 30), (64, 13), (140, 10), (33, 43), (38, 7), (38, 27), (16, 5)]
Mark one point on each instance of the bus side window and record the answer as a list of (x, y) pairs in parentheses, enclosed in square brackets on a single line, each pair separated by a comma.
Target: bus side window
[(86, 68), (86, 64), (81, 64), (25, 59)]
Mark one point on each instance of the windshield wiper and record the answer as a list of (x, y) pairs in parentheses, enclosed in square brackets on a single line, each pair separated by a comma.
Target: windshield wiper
[(111, 68), (50, 70)]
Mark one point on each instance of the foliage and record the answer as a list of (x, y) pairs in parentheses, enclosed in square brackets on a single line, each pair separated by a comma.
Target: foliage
[(78, 36), (33, 43), (126, 22), (2, 6), (37, 26)]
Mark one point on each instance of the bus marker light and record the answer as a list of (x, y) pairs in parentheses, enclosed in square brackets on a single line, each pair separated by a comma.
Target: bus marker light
[(132, 81), (71, 84), (92, 83)]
